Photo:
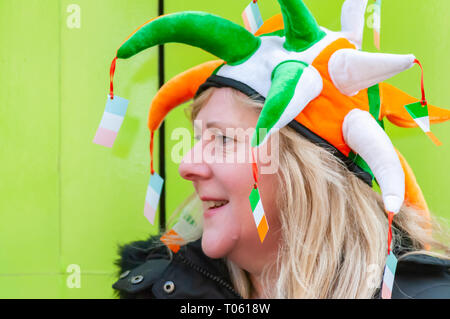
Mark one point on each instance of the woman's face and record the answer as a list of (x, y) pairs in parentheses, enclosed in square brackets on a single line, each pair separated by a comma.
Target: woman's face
[(219, 165)]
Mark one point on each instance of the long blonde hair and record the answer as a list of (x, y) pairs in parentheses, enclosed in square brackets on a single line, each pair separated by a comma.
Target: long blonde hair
[(334, 239)]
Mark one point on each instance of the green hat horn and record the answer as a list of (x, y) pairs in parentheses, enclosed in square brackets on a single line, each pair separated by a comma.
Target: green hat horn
[(220, 37), (300, 26)]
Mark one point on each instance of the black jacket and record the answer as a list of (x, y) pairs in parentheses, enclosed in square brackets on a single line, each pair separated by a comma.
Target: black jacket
[(147, 271)]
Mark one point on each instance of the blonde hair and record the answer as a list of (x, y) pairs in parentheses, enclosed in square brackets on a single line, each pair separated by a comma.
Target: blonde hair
[(334, 226)]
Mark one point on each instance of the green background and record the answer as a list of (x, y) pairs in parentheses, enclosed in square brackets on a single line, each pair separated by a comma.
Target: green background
[(65, 200)]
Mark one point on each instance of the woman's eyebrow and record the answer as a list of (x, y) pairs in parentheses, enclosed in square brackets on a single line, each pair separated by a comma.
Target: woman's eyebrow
[(222, 125)]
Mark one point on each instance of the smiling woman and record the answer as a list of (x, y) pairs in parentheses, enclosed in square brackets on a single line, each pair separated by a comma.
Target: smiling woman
[(229, 230), (322, 218), (311, 226)]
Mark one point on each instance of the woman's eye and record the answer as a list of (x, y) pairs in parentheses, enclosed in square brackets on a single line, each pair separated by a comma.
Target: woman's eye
[(226, 139)]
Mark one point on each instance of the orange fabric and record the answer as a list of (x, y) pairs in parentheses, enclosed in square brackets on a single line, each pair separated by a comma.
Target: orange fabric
[(413, 194), (273, 24), (433, 138), (325, 114), (393, 103), (178, 90), (263, 228)]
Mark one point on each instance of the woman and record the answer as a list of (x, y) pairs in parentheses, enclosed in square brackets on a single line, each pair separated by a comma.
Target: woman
[(324, 221), (323, 226)]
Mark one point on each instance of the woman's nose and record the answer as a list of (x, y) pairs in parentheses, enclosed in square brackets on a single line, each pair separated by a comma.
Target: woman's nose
[(192, 166)]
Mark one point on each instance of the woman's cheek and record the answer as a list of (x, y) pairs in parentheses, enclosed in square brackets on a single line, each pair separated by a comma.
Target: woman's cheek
[(220, 233)]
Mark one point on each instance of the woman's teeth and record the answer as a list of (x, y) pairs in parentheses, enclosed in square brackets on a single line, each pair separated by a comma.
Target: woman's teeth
[(215, 203)]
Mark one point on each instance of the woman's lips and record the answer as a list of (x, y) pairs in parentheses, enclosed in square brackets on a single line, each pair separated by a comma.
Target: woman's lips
[(213, 206), (213, 211)]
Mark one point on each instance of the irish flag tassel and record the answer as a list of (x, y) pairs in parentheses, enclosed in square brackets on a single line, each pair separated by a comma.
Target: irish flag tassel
[(419, 112), (154, 188), (256, 204), (252, 17), (391, 264)]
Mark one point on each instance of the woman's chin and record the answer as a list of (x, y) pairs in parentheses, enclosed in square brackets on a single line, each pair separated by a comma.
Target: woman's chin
[(216, 245)]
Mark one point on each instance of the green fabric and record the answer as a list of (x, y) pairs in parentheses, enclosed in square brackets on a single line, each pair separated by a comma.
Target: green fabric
[(285, 77), (373, 93), (416, 110), (234, 63), (301, 28), (279, 33), (218, 36), (254, 198), (375, 103)]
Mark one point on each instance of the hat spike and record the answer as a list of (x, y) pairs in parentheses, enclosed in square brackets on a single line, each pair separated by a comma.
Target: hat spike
[(294, 85), (353, 71), (365, 137), (300, 26), (178, 90), (220, 37)]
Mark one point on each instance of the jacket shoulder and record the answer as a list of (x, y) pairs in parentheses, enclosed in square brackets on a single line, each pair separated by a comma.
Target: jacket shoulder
[(131, 264), (421, 276), (147, 269)]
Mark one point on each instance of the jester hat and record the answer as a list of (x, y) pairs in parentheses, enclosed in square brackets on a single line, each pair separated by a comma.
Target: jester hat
[(314, 80)]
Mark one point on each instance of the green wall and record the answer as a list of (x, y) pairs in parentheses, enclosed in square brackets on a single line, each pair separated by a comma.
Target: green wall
[(65, 200)]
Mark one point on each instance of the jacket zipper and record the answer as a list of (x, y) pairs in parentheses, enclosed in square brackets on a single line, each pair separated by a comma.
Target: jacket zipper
[(209, 275)]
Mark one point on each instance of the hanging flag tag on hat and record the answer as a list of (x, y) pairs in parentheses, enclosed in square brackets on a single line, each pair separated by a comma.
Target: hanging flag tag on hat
[(252, 17), (419, 112), (256, 204), (111, 122), (420, 115), (391, 264), (113, 115), (152, 197), (258, 214), (154, 188), (388, 277)]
